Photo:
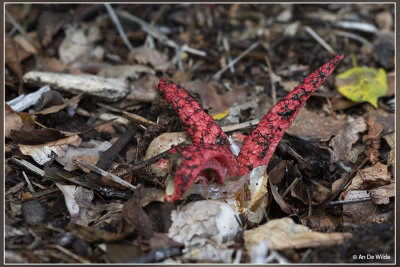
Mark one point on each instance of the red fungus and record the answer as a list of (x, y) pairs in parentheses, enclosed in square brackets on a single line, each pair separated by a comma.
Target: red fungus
[(209, 150), (201, 127), (197, 160), (261, 143)]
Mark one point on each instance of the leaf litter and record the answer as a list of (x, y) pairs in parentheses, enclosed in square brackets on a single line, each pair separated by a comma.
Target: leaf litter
[(331, 173)]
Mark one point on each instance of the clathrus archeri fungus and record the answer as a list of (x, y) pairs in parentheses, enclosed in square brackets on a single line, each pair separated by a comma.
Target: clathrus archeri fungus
[(210, 149)]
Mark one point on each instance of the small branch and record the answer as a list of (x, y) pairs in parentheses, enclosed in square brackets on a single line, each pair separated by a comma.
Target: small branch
[(290, 186), (28, 182), (118, 24), (355, 37), (70, 254), (233, 62), (239, 126), (320, 40), (143, 163), (151, 30), (272, 79), (350, 201), (108, 175), (21, 30)]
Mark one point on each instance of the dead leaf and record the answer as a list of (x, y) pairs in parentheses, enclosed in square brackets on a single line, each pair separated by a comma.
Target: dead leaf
[(372, 140), (391, 142), (14, 54), (36, 136), (79, 202), (132, 72), (366, 212), (49, 24), (384, 20), (87, 158), (142, 90), (78, 43), (134, 214), (319, 192), (277, 173), (316, 124), (44, 152), (341, 144), (206, 228), (90, 149), (284, 233), (53, 109), (382, 194), (368, 178), (116, 169), (322, 220), (285, 206), (25, 44), (145, 55), (12, 121)]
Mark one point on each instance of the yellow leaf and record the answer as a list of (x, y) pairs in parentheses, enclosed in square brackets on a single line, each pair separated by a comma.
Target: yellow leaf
[(220, 116), (361, 84)]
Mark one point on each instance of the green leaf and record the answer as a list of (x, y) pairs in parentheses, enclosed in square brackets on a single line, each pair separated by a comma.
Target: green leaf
[(361, 84)]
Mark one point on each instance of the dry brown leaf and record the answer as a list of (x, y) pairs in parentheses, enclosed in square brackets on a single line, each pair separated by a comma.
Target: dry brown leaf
[(364, 212), (44, 152), (372, 140), (316, 124), (25, 44), (14, 54), (343, 141), (143, 89), (87, 158), (286, 234), (13, 122), (285, 206), (53, 109), (382, 194), (391, 141), (145, 55), (319, 192), (116, 169), (367, 178), (322, 220)]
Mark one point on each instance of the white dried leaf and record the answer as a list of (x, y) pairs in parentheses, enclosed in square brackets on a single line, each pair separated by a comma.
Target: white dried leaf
[(286, 234), (96, 150), (44, 152), (206, 228)]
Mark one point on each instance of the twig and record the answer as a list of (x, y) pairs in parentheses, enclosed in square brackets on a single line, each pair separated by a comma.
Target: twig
[(118, 24), (239, 126), (290, 186), (233, 62), (28, 166), (272, 79), (139, 119), (104, 173), (129, 115), (349, 201), (143, 163), (149, 29), (228, 54), (355, 37), (69, 253), (28, 182), (21, 30), (320, 40)]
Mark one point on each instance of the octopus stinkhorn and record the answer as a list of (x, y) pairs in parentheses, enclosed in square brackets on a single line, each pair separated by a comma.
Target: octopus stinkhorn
[(210, 148)]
